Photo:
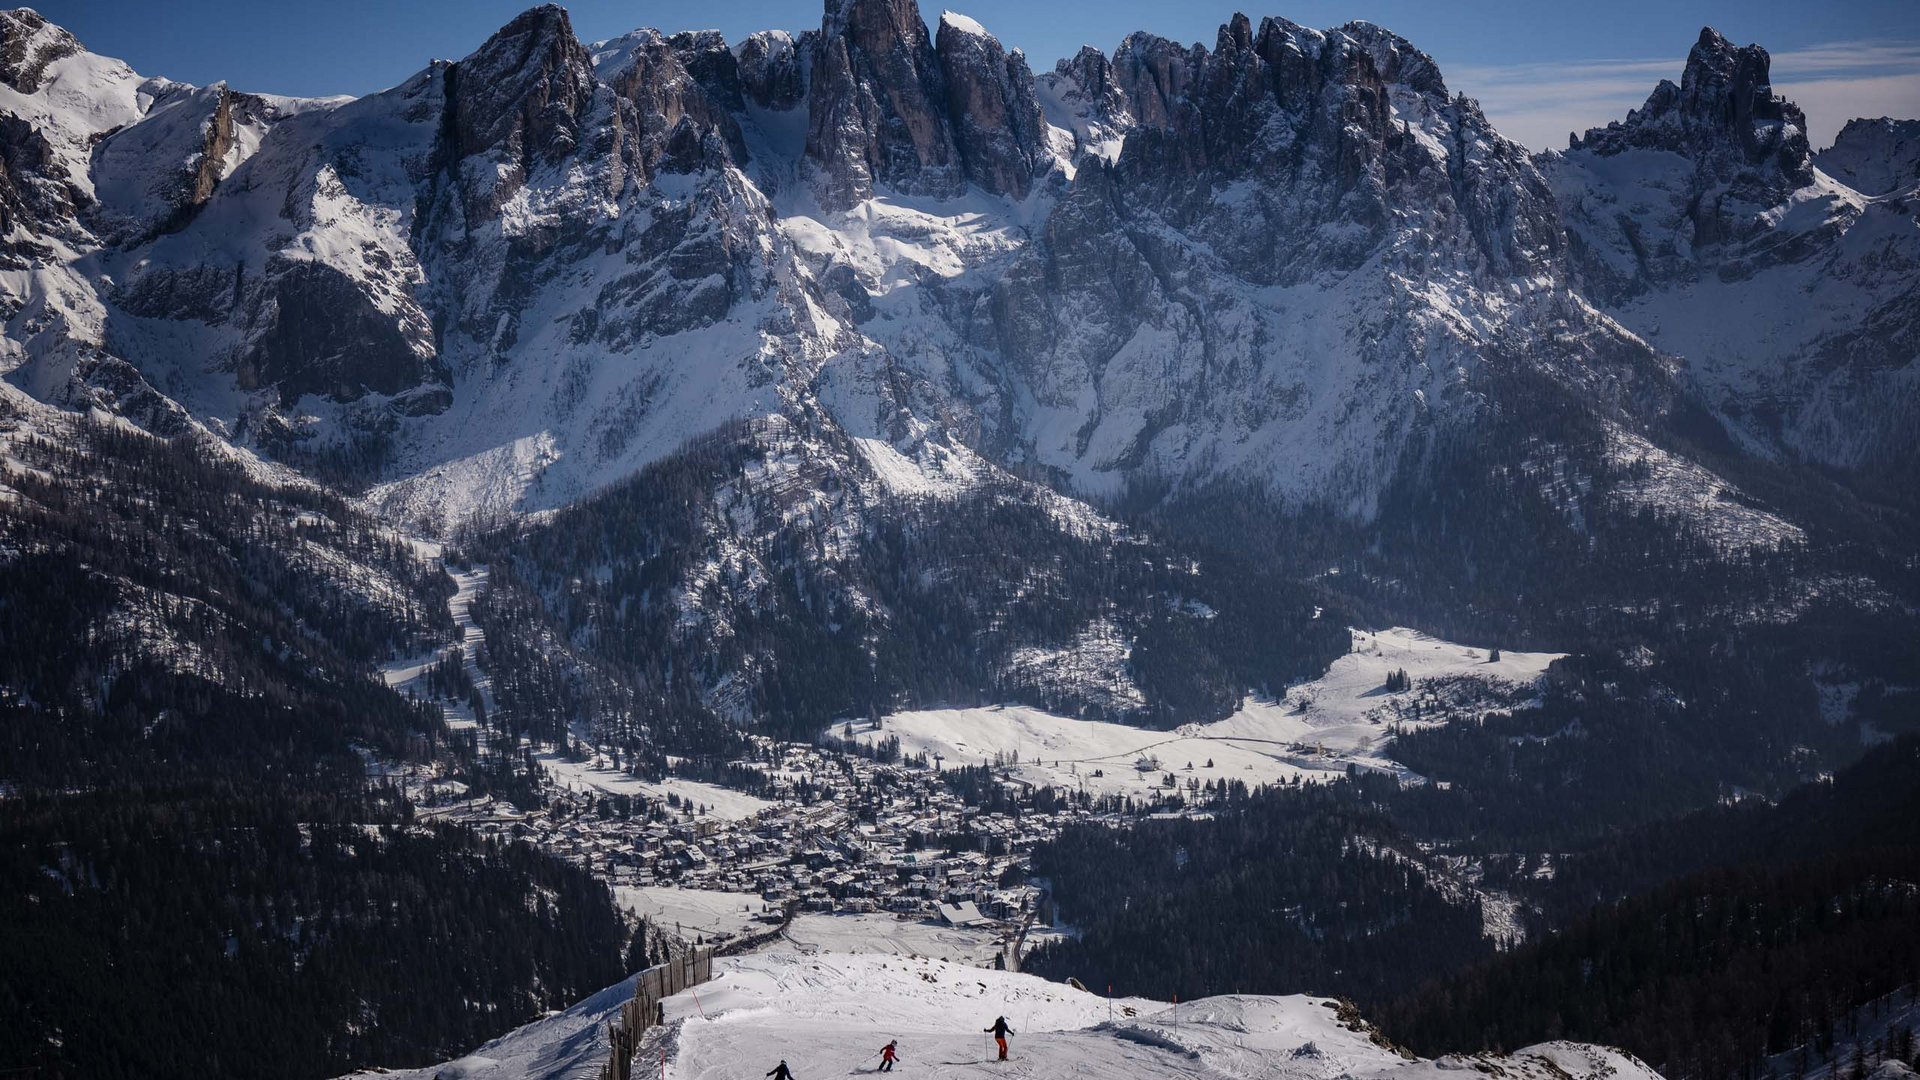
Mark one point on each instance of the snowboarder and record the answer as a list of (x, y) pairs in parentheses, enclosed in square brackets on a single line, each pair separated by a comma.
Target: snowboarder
[(779, 1072), (1000, 1032), (888, 1055)]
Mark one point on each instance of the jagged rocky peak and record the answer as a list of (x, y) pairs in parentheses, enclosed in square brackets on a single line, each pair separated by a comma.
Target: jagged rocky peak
[(1316, 129), (705, 55), (1396, 60), (520, 98), (676, 94), (1081, 97), (877, 111), (1264, 103), (1875, 157), (773, 74), (1153, 73), (28, 43), (990, 100), (1091, 74), (1723, 115)]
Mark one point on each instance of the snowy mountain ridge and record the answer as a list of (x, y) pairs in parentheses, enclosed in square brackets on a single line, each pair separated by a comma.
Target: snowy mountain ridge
[(1290, 260), (900, 271)]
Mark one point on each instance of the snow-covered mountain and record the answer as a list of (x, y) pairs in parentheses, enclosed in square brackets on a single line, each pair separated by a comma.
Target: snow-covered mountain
[(1290, 259), (1789, 284), (894, 269), (828, 1014)]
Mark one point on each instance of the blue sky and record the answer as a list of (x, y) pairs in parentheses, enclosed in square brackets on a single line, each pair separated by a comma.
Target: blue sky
[(1539, 68)]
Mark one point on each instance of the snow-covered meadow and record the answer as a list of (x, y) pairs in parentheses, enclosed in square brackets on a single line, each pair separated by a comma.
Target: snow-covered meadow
[(1314, 731)]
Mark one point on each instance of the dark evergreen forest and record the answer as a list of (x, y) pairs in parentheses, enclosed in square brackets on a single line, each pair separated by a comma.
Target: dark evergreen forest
[(196, 877)]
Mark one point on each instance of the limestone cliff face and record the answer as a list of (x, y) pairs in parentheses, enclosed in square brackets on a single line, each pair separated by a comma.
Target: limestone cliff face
[(772, 68), (519, 101), (997, 128), (877, 107)]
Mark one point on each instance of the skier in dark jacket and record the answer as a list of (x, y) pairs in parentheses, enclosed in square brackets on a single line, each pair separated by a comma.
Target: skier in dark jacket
[(888, 1055), (779, 1072), (1000, 1032)]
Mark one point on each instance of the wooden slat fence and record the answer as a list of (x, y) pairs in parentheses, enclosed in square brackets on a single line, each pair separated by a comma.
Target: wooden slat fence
[(650, 988)]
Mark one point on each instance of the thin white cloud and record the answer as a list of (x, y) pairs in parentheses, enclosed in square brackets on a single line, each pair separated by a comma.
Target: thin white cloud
[(1539, 104)]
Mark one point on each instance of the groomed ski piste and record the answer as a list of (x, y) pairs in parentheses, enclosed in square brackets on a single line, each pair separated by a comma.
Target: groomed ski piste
[(828, 1015)]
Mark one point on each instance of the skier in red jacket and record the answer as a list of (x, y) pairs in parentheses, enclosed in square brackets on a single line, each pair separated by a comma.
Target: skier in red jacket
[(888, 1056)]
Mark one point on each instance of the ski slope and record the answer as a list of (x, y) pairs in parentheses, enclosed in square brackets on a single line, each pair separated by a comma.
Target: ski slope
[(1313, 731), (827, 1015), (405, 673)]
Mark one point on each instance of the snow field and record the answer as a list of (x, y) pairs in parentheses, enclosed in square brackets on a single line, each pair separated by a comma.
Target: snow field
[(891, 935), (1312, 732), (694, 911), (596, 776), (828, 1015)]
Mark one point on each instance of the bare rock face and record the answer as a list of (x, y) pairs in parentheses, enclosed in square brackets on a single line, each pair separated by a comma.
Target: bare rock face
[(667, 111), (320, 334), (1153, 74), (707, 58), (24, 155), (877, 108), (28, 43), (990, 101), (772, 69), (519, 101)]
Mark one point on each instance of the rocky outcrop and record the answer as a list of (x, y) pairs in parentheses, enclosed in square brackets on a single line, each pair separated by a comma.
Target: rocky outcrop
[(773, 70), (215, 146), (996, 121), (667, 110), (520, 101), (1723, 116), (1746, 149), (877, 106), (24, 156), (28, 43), (321, 334)]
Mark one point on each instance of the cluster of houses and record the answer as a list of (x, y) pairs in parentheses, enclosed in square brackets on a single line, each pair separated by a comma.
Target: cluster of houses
[(840, 834)]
